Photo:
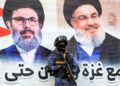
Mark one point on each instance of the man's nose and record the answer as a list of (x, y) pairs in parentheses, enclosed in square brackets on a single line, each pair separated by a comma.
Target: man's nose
[(90, 21), (26, 24)]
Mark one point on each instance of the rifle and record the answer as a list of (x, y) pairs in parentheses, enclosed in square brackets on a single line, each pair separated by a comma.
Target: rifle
[(69, 68)]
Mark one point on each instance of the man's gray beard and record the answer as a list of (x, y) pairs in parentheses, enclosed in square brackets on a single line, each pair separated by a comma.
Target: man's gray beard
[(23, 44), (85, 40)]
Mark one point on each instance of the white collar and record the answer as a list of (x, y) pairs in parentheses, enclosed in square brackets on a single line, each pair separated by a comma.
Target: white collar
[(87, 49), (28, 57)]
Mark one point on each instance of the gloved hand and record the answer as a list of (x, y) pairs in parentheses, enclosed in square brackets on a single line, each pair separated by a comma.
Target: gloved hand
[(48, 69), (62, 67)]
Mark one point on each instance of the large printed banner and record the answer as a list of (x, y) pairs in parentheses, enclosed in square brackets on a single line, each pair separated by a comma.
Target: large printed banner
[(28, 29)]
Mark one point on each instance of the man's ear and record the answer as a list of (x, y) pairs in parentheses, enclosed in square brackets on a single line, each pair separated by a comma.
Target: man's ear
[(40, 25), (8, 24), (72, 21)]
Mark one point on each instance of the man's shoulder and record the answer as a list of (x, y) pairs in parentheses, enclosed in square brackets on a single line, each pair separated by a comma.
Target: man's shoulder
[(110, 40), (44, 51), (72, 45), (12, 47), (110, 44), (110, 50), (72, 40), (3, 52)]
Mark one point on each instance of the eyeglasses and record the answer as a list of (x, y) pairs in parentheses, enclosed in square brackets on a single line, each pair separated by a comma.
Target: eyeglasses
[(21, 20), (84, 18)]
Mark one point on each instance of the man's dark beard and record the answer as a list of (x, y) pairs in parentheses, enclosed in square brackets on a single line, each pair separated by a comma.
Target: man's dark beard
[(22, 43)]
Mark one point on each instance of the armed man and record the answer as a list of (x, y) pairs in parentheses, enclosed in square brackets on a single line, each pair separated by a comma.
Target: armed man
[(62, 65)]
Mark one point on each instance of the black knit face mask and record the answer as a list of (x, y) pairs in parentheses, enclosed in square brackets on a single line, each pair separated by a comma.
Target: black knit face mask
[(61, 47)]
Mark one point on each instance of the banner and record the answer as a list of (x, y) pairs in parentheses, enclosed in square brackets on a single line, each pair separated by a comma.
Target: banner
[(28, 29)]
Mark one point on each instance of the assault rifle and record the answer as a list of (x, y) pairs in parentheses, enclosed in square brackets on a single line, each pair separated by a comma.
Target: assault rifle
[(69, 68)]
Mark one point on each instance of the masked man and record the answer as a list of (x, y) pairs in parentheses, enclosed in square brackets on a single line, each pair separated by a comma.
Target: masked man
[(62, 64)]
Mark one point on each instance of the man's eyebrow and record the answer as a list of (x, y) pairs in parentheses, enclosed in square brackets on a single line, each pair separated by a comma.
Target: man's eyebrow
[(33, 18), (18, 18), (81, 16), (94, 13)]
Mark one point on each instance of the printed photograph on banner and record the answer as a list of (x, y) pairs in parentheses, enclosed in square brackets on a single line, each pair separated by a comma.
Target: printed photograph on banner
[(59, 42), (90, 42), (25, 19), (95, 38)]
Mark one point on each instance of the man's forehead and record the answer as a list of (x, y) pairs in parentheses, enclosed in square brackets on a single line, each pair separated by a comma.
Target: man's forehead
[(85, 10), (25, 12)]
